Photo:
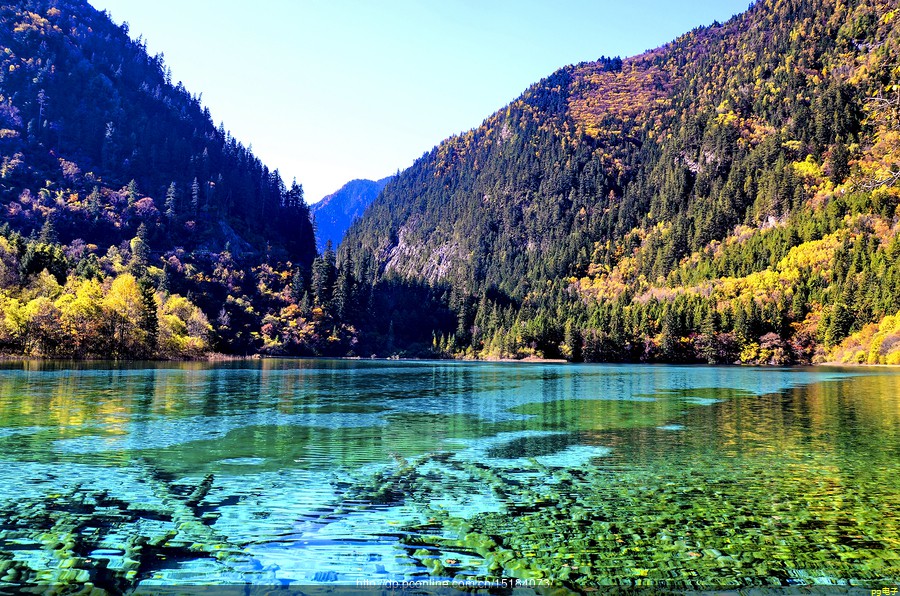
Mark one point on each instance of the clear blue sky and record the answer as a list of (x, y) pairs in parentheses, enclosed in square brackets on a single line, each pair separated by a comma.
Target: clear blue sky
[(331, 90)]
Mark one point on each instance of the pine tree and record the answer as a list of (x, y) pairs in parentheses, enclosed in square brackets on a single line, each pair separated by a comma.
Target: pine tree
[(305, 305), (195, 196), (709, 346), (298, 286), (170, 202), (140, 255), (798, 305), (668, 345), (131, 193), (164, 281), (48, 232), (323, 277), (93, 202), (343, 291), (149, 322), (573, 341), (839, 324), (294, 197)]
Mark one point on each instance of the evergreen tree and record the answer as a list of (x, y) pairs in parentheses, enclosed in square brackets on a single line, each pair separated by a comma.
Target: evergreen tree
[(668, 345), (324, 277), (140, 254), (170, 203), (48, 232), (131, 192), (573, 342), (343, 292), (306, 305), (298, 286), (709, 345), (149, 322), (140, 251), (195, 196), (294, 196)]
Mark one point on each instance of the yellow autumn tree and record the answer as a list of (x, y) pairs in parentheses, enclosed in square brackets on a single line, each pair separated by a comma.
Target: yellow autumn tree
[(44, 335), (124, 309), (82, 318), (183, 328)]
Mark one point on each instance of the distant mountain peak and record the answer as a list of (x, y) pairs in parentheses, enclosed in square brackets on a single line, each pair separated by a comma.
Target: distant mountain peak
[(335, 212)]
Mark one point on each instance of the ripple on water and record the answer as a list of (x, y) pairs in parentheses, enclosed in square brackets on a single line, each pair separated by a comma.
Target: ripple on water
[(321, 481)]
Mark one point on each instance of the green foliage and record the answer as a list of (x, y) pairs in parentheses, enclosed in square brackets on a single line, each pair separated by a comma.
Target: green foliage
[(96, 141), (131, 221), (728, 197), (708, 201), (106, 314)]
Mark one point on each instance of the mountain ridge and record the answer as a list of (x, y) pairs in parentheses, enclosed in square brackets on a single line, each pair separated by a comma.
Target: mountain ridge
[(626, 169), (728, 197), (336, 211), (131, 223)]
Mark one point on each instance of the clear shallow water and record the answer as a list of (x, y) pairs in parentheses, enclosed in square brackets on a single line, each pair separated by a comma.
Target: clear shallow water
[(291, 471)]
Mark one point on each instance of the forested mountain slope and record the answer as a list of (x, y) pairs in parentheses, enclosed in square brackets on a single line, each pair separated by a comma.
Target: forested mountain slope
[(124, 207), (334, 213), (729, 196)]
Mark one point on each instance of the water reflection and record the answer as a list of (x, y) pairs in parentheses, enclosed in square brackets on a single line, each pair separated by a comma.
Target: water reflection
[(616, 474)]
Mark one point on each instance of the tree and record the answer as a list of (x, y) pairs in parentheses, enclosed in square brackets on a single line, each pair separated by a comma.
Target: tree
[(140, 250), (170, 202), (39, 256), (572, 342), (343, 293), (298, 286), (183, 328), (124, 306), (149, 322), (195, 196), (708, 343), (305, 305), (82, 317), (668, 344), (840, 162), (884, 110), (131, 192), (293, 199), (48, 232), (324, 276), (840, 321), (44, 334)]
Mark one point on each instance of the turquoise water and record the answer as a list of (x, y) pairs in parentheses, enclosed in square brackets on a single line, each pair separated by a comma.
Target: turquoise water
[(339, 472)]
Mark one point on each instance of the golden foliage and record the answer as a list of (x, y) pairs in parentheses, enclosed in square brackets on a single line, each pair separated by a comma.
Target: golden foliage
[(875, 343), (601, 100)]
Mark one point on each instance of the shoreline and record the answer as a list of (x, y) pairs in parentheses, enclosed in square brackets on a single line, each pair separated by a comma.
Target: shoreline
[(219, 357)]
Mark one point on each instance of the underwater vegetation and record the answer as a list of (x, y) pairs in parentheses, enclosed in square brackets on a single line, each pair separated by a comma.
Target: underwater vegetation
[(631, 479), (688, 527), (87, 537)]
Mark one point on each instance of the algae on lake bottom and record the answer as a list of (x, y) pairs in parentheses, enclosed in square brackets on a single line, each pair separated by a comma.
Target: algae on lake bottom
[(578, 476)]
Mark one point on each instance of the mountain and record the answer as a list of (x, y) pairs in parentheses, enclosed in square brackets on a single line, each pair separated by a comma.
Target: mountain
[(334, 213), (132, 225), (85, 106), (730, 196)]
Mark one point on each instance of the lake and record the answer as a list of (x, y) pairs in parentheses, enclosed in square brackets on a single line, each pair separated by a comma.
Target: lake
[(344, 472)]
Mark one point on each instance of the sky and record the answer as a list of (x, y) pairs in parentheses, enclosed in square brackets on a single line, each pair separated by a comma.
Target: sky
[(327, 91)]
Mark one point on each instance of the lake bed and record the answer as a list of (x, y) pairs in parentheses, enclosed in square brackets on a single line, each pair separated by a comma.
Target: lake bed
[(281, 472)]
